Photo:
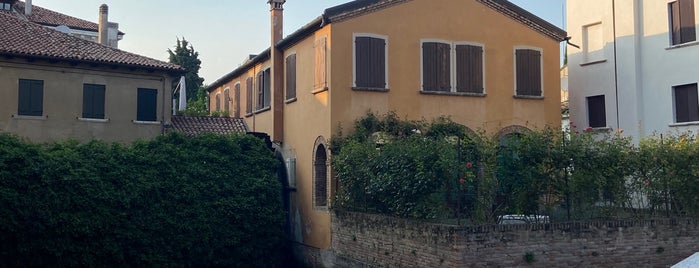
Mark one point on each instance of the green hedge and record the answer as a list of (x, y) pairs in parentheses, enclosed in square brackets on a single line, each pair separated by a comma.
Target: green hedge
[(437, 170), (173, 201)]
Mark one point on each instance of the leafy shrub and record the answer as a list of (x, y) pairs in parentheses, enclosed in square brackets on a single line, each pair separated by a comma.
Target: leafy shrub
[(173, 201)]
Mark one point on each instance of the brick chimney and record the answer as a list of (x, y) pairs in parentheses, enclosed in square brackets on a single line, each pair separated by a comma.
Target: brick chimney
[(103, 32), (28, 7), (277, 31)]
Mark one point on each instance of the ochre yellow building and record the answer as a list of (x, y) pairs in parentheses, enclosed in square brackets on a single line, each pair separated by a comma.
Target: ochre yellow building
[(488, 64)]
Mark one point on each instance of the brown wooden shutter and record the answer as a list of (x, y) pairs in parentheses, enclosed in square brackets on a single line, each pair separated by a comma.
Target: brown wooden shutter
[(429, 62), (291, 77), (260, 90), (675, 22), (370, 62), (320, 78), (469, 69), (248, 95), (444, 67), (226, 100), (236, 94), (687, 30), (528, 72)]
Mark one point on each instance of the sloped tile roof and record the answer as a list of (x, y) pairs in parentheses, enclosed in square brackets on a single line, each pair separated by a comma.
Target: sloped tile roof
[(20, 38), (357, 8), (49, 17), (195, 125)]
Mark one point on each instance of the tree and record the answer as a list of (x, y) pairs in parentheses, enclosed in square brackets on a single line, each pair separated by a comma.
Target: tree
[(185, 56)]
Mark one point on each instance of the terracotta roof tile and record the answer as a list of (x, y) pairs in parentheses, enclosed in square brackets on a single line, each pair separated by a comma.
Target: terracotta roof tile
[(195, 125), (49, 17), (21, 38)]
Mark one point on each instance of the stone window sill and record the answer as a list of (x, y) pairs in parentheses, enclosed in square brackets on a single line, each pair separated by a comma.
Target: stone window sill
[(262, 110), (30, 117), (592, 62), (146, 122), (528, 97), (688, 44), (93, 120), (685, 124), (449, 93)]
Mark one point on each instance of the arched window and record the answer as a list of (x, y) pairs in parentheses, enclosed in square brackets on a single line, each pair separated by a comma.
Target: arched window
[(320, 175)]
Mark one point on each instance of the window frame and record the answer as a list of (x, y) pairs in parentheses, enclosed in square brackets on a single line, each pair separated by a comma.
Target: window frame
[(93, 114), (355, 66), (590, 100), (671, 24), (264, 89), (33, 103), (453, 64), (691, 118), (287, 84), (541, 72), (588, 57)]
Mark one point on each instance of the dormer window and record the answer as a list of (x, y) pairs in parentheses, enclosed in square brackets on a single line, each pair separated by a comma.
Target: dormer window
[(6, 4)]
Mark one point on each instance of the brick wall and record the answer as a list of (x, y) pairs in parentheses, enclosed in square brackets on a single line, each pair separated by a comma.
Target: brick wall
[(373, 240)]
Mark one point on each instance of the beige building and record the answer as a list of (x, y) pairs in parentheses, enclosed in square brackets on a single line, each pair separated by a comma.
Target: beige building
[(488, 64), (56, 86)]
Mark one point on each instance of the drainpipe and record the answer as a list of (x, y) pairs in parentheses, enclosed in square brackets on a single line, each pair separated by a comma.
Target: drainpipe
[(616, 67)]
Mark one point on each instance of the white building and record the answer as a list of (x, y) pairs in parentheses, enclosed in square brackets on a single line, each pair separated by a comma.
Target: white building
[(636, 68)]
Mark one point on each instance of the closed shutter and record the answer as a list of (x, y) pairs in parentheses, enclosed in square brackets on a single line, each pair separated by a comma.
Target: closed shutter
[(226, 100), (469, 69), (260, 90), (248, 95), (30, 97), (429, 62), (436, 66), (444, 67), (147, 104), (675, 23), (320, 64), (528, 72), (236, 93), (687, 30), (291, 77), (370, 60), (93, 101), (266, 89)]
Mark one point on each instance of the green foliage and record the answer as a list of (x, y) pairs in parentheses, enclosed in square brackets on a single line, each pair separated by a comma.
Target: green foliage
[(444, 172), (197, 106), (173, 201), (185, 56)]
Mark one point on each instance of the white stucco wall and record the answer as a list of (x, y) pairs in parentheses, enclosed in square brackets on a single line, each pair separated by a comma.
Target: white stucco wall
[(638, 65)]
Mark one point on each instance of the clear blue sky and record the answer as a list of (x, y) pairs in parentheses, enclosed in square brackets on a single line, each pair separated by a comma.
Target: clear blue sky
[(224, 32)]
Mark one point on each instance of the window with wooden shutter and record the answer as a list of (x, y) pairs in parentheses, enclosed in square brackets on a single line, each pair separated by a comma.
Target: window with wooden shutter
[(291, 77), (93, 101), (596, 112), (248, 96), (147, 102), (31, 97), (236, 98), (218, 102), (686, 103), (528, 72), (320, 65), (226, 100), (370, 62), (436, 66), (263, 89), (682, 22), (469, 69)]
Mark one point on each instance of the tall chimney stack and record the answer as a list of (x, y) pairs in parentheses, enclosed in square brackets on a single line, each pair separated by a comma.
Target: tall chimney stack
[(103, 32), (28, 7), (277, 16)]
